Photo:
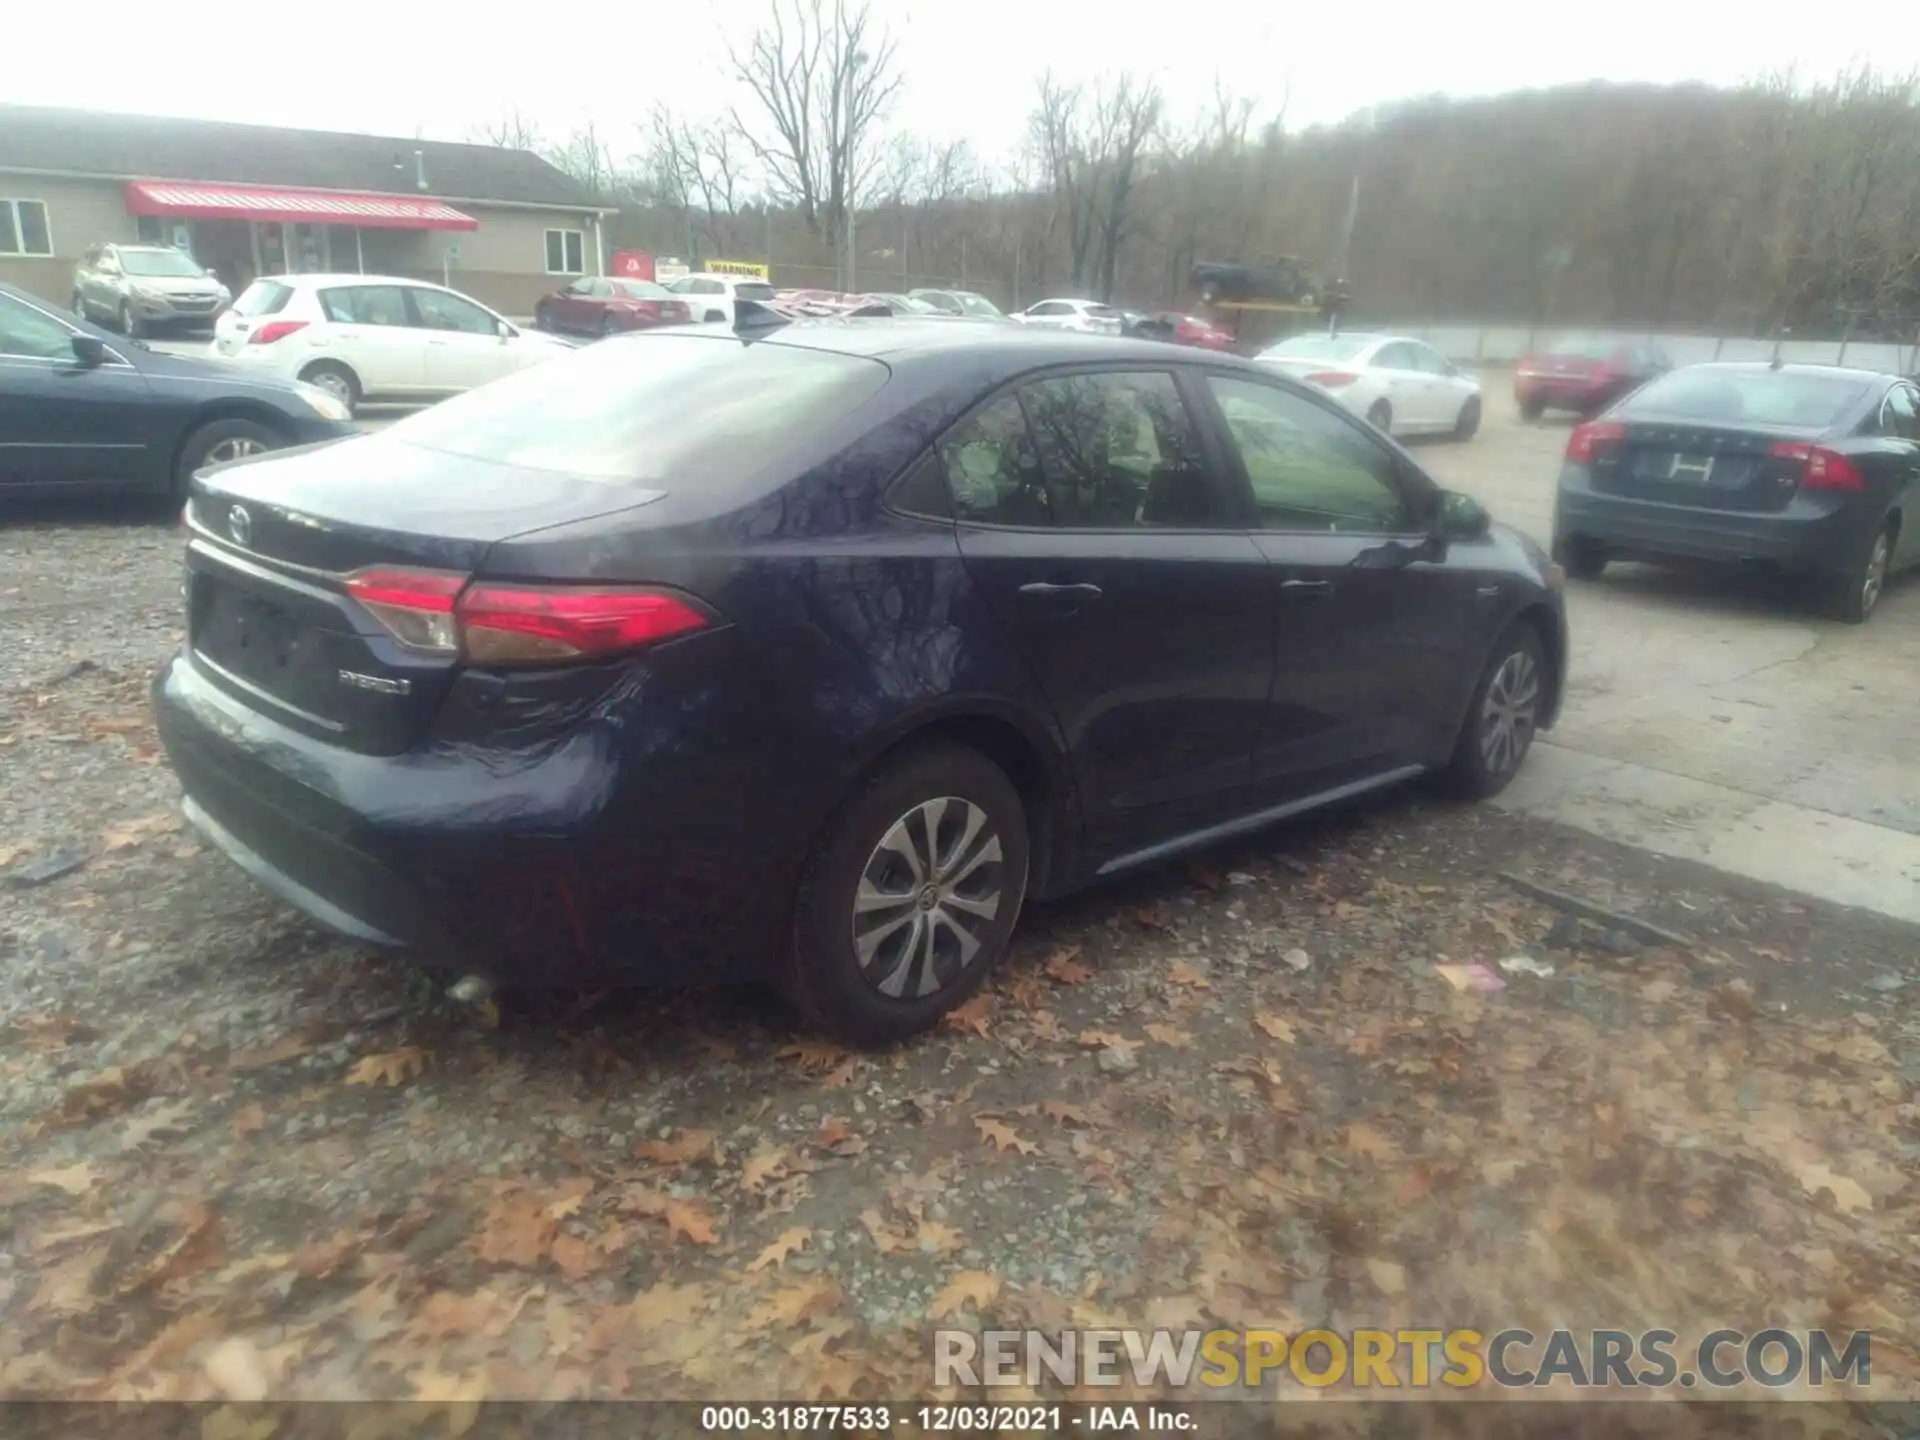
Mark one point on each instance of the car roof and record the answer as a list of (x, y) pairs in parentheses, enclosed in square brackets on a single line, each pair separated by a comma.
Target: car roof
[(329, 281), (1761, 367), (1001, 348)]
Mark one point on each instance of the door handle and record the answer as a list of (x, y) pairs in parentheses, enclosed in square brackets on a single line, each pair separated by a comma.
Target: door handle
[(1060, 594), (1306, 589)]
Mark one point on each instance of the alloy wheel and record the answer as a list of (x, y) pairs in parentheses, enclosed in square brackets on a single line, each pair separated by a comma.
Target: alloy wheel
[(1508, 714), (1875, 580), (234, 447), (927, 895), (335, 384)]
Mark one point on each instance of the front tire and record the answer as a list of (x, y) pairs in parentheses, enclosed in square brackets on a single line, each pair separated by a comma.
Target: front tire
[(79, 305), (1467, 423), (1531, 410), (608, 326), (1380, 416), (1853, 595), (1502, 720), (129, 322), (911, 899), (220, 442)]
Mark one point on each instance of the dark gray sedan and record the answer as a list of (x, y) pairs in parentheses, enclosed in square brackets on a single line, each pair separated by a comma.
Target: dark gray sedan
[(1813, 469)]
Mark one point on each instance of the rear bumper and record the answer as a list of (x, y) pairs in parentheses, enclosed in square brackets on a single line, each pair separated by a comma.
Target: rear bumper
[(1810, 535), (1555, 394)]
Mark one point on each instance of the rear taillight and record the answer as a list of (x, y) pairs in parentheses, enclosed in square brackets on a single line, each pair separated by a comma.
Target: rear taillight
[(436, 613), (1590, 439), (1331, 379), (1821, 469), (527, 624), (416, 606), (275, 330)]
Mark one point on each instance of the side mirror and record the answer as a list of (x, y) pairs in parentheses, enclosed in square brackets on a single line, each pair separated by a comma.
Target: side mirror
[(1462, 517), (89, 350), (504, 330)]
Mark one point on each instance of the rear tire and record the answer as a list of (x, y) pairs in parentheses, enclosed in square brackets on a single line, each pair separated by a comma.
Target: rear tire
[(219, 442), (1853, 595), (936, 947), (1581, 558), (542, 320), (1467, 423), (336, 379), (1531, 410), (608, 326), (1502, 719), (1380, 416)]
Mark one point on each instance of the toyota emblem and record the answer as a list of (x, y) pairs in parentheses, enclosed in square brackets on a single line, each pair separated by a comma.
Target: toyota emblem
[(240, 526)]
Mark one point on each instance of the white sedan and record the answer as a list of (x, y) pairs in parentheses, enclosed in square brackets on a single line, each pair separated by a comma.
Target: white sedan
[(1085, 315), (1404, 387), (375, 337)]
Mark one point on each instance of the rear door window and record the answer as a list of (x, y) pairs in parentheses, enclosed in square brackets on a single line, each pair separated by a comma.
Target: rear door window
[(366, 305), (993, 470), (1900, 417), (1120, 451), (753, 290)]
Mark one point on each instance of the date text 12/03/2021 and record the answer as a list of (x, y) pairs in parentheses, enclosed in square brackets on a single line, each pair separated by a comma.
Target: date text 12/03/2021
[(947, 1419)]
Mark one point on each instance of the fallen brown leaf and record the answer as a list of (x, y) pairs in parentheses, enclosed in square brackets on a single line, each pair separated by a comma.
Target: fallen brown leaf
[(1182, 972), (1003, 1137), (769, 1162), (786, 1243), (805, 1301), (692, 1219), (935, 1238), (813, 1055), (1064, 1113), (1064, 966), (249, 1120), (1274, 1027), (1369, 1143), (194, 1248), (841, 1074), (287, 1047), (687, 1146), (666, 1304), (978, 1288), (391, 1067), (887, 1239), (576, 1258), (1848, 1195), (516, 1231), (128, 833), (75, 1179), (1170, 1035), (837, 1136), (1388, 1278), (972, 1016), (1152, 917)]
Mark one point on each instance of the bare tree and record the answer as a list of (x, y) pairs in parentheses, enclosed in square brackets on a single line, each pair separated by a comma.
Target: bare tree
[(512, 131), (821, 76), (1090, 149), (695, 169), (586, 156)]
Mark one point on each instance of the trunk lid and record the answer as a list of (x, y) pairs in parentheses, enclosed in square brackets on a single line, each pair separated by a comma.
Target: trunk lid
[(1705, 466), (271, 541)]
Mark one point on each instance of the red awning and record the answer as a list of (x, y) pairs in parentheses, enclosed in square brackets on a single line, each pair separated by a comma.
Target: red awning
[(315, 207)]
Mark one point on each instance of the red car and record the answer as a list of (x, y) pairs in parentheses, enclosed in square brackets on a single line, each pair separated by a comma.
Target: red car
[(599, 305), (1583, 375), (1185, 330)]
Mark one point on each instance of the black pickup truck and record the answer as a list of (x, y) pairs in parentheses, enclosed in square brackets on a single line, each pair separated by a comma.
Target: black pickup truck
[(1285, 281)]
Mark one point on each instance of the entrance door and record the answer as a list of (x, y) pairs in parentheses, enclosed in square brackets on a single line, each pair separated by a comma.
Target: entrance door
[(1103, 541)]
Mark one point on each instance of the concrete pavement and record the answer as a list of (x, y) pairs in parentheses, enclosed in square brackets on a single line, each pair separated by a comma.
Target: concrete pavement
[(1709, 720)]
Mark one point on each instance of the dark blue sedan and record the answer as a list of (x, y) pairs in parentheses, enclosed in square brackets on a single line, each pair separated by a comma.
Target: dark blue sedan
[(810, 650), (81, 409)]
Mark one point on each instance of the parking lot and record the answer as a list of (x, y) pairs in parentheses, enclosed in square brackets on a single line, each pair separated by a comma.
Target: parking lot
[(1291, 1079)]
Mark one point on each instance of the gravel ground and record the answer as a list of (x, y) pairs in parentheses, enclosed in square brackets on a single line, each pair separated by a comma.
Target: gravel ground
[(1275, 1087)]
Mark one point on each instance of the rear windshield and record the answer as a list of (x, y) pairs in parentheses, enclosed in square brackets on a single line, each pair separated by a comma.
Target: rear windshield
[(1319, 347), (753, 290), (1581, 347), (641, 290), (977, 304), (649, 407), (1756, 397), (263, 297)]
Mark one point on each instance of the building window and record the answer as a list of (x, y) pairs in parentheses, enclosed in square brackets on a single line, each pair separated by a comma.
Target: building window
[(566, 252), (24, 229)]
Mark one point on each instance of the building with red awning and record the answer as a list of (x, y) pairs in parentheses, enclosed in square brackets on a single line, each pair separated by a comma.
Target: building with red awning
[(248, 200)]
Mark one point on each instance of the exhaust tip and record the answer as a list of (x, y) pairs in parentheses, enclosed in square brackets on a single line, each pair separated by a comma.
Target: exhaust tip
[(471, 990)]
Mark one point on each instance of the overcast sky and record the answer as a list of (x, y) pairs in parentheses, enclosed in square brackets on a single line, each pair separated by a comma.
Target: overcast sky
[(443, 67)]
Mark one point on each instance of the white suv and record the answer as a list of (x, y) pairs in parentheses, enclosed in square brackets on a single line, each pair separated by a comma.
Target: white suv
[(375, 337), (711, 297)]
